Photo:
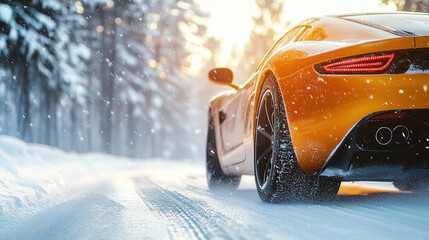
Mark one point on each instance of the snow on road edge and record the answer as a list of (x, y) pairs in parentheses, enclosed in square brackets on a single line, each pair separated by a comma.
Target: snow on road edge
[(34, 177)]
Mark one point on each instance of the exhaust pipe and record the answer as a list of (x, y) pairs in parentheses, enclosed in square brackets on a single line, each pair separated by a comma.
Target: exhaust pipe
[(383, 136), (400, 134)]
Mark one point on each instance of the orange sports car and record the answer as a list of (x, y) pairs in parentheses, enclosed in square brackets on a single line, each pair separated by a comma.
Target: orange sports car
[(337, 98)]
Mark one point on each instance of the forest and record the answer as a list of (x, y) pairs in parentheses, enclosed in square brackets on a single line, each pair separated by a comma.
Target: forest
[(98, 75), (110, 75)]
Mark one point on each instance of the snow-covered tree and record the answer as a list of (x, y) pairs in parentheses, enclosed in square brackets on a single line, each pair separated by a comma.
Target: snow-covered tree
[(29, 35), (99, 75), (175, 22), (46, 60), (267, 26), (72, 56), (135, 77), (410, 5)]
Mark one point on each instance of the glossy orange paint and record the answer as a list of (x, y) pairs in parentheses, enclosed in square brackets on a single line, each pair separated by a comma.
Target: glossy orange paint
[(321, 109), (363, 190), (422, 42)]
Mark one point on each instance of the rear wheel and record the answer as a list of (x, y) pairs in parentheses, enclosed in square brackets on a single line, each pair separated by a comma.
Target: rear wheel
[(216, 179), (278, 175)]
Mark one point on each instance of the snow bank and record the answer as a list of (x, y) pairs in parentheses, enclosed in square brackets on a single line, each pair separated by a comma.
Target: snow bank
[(34, 177)]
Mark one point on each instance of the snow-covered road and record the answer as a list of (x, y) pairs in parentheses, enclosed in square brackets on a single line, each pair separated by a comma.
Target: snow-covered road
[(164, 202)]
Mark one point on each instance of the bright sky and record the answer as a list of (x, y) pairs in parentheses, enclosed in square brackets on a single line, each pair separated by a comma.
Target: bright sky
[(231, 20)]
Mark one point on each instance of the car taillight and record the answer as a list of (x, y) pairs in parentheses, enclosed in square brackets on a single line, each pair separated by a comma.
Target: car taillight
[(363, 64), (390, 115)]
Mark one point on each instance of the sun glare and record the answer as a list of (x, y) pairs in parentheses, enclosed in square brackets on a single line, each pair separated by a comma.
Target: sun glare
[(231, 21)]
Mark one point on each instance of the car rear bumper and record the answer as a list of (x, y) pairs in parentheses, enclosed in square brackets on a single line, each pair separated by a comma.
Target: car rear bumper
[(321, 109), (364, 155)]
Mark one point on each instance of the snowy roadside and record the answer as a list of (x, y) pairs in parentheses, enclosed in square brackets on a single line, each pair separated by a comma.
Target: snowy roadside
[(35, 177)]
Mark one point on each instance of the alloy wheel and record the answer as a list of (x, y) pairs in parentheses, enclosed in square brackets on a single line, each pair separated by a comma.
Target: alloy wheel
[(264, 137)]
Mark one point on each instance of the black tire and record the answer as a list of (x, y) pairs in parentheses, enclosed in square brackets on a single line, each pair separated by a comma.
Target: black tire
[(278, 175), (412, 186), (216, 179)]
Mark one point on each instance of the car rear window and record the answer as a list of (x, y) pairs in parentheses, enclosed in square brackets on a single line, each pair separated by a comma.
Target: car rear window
[(400, 24)]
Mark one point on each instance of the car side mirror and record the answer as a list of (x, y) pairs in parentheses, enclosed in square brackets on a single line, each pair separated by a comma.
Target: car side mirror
[(222, 76)]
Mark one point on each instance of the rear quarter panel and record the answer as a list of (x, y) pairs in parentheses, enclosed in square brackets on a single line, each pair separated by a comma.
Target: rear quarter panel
[(321, 109)]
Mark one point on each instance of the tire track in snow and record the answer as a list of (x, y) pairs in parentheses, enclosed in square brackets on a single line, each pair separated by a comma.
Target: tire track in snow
[(381, 214), (186, 218)]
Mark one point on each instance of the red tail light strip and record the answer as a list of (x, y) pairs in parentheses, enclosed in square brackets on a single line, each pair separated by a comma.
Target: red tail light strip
[(390, 115), (362, 64)]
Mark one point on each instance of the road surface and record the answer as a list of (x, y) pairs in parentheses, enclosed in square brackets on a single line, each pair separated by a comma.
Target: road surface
[(167, 202)]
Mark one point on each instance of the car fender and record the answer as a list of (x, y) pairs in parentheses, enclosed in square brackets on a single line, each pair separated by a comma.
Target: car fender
[(288, 64)]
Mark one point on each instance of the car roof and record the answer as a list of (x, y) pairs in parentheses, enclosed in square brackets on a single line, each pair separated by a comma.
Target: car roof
[(399, 23), (376, 13)]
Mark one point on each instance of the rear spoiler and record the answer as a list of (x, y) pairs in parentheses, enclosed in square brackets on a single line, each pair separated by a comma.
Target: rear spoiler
[(421, 42)]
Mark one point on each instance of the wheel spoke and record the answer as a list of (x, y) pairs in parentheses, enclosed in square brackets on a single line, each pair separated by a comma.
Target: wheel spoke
[(268, 116), (267, 171), (265, 127), (264, 154), (265, 133)]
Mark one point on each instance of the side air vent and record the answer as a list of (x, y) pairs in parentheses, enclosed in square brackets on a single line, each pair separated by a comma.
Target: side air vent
[(222, 117)]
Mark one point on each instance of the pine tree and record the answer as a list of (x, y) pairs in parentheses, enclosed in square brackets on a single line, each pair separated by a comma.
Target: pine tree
[(99, 75), (135, 77), (409, 5), (30, 37), (267, 26), (72, 57), (172, 19)]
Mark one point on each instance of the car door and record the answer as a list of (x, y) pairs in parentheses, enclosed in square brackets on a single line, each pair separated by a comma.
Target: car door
[(236, 115), (232, 125)]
